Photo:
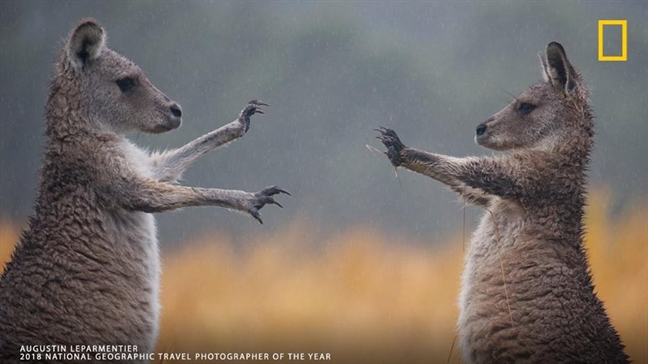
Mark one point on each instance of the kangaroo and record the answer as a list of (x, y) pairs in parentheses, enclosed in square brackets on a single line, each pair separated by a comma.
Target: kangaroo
[(527, 294), (86, 270)]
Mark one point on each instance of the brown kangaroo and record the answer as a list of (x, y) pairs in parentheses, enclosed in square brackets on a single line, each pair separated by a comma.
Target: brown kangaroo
[(527, 294), (86, 270)]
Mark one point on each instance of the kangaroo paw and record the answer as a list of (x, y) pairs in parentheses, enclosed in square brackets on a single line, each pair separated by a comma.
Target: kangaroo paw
[(253, 107), (393, 143), (263, 198)]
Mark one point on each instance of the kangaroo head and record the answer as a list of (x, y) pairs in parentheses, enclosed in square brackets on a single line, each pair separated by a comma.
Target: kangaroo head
[(112, 91), (539, 116)]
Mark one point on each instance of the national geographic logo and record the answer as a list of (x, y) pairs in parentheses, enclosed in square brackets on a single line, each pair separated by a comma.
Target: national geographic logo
[(602, 24)]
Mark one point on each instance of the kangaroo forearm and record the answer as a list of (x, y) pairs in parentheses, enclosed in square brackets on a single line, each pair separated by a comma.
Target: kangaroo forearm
[(432, 165), (168, 166), (160, 197), (474, 178), (441, 168)]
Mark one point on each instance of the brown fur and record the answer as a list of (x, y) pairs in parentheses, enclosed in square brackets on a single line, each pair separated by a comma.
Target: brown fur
[(527, 294), (86, 270)]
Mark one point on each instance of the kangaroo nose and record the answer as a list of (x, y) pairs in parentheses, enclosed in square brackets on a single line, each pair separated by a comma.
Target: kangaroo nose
[(481, 129), (176, 110)]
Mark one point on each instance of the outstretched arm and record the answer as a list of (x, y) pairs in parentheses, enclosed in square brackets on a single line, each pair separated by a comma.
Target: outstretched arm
[(476, 179), (148, 195), (169, 165)]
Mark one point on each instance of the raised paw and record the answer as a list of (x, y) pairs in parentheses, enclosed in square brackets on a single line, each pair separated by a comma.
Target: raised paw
[(253, 107), (393, 143), (263, 197)]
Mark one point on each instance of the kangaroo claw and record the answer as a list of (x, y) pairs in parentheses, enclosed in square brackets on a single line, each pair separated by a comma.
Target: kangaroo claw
[(393, 144), (264, 197)]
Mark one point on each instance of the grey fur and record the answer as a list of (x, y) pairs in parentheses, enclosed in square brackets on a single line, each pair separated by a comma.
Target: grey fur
[(86, 270), (527, 294)]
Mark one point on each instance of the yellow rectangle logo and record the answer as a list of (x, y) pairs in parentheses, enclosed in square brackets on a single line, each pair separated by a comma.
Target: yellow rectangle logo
[(624, 41)]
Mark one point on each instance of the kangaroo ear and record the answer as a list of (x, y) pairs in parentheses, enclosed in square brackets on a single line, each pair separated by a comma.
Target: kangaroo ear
[(85, 43), (558, 70)]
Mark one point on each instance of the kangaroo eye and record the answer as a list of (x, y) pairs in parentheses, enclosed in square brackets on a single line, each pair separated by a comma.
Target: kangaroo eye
[(526, 108), (125, 83)]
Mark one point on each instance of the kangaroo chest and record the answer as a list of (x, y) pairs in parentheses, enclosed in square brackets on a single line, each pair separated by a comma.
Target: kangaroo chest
[(136, 233), (483, 292)]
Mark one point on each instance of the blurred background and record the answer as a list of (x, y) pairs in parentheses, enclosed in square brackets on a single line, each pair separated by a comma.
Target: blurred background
[(359, 263)]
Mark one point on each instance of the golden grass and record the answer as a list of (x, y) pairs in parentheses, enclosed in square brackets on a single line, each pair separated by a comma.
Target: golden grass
[(359, 296)]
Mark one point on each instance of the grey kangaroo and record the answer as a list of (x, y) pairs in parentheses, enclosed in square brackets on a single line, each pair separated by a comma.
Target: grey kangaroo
[(86, 270), (527, 294)]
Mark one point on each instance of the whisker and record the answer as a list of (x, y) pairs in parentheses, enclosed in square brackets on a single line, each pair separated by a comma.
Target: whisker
[(513, 96), (452, 348), (497, 239)]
